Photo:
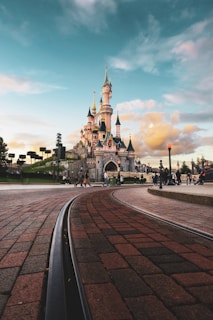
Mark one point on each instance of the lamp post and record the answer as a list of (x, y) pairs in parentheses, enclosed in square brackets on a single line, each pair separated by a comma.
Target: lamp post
[(170, 182), (119, 168), (161, 168)]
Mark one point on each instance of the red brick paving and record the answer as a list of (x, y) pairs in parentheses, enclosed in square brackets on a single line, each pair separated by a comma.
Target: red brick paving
[(156, 271), (131, 266), (27, 219)]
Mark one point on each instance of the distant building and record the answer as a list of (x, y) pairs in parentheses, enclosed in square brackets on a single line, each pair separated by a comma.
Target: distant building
[(98, 149)]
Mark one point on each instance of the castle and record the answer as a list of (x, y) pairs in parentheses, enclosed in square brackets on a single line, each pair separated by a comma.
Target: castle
[(98, 147)]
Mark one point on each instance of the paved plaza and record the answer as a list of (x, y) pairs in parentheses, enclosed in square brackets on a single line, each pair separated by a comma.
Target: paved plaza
[(27, 218)]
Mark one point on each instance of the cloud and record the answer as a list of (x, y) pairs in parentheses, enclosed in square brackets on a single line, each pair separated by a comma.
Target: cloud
[(26, 141), (154, 130), (19, 119), (187, 57), (142, 52), (73, 137), (22, 86), (16, 145), (189, 129), (201, 117), (192, 97), (90, 14), (207, 141), (14, 29), (139, 105)]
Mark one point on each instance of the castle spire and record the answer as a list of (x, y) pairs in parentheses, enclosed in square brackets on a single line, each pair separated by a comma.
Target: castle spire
[(117, 121), (106, 81), (106, 109), (118, 124), (130, 146), (94, 105)]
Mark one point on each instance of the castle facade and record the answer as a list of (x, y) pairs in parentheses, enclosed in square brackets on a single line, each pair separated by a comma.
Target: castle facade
[(101, 150)]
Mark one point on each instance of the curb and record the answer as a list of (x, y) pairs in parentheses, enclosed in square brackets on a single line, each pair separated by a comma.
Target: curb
[(192, 198)]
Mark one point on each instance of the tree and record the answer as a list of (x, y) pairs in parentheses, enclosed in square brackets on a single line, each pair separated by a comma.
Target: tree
[(3, 155), (185, 168)]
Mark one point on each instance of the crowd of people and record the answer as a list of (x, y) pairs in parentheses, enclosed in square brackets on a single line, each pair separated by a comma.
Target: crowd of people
[(83, 178), (176, 178)]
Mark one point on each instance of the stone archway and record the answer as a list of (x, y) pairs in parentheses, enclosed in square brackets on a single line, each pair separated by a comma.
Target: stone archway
[(111, 166)]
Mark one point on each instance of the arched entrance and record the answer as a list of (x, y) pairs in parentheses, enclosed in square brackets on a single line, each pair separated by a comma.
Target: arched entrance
[(111, 166)]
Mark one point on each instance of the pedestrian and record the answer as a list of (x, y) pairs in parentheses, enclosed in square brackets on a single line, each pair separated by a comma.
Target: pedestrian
[(155, 179), (188, 178), (121, 179), (141, 178), (86, 179), (178, 176), (194, 179), (106, 179), (80, 178), (201, 178), (173, 177)]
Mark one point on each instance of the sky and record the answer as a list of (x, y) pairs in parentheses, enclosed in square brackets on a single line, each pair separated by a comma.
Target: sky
[(159, 57)]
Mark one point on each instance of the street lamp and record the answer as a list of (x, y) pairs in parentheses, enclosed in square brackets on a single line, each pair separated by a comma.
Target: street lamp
[(119, 168), (170, 182), (161, 168)]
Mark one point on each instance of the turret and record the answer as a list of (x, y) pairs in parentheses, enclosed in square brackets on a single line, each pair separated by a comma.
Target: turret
[(130, 147), (131, 155), (89, 117), (105, 108), (117, 124), (106, 89)]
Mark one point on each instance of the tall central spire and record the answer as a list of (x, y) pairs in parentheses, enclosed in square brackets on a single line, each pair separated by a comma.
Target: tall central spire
[(106, 81), (106, 110), (94, 105)]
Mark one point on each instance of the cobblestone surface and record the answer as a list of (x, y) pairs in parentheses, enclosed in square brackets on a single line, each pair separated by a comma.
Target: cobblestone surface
[(148, 269), (132, 267), (27, 220)]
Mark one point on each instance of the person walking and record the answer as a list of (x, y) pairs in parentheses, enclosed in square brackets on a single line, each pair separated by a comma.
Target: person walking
[(80, 178), (86, 179), (201, 179), (188, 178), (106, 179), (155, 179), (178, 177)]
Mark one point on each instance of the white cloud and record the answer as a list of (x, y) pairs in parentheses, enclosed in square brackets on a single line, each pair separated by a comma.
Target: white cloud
[(13, 84), (90, 14), (139, 105), (188, 57)]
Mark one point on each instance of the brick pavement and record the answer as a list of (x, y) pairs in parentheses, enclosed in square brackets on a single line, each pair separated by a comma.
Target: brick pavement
[(133, 267), (27, 219), (192, 215), (169, 270)]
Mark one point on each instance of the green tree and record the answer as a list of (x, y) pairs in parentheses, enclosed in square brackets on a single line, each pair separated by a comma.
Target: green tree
[(185, 169), (3, 155)]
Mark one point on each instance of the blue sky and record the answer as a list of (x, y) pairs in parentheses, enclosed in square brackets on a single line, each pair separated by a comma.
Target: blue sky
[(159, 55)]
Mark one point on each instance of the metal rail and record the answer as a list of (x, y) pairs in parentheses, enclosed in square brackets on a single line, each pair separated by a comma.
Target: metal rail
[(65, 298)]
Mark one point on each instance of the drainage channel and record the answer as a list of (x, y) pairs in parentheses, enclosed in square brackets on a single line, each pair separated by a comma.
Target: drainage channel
[(65, 297)]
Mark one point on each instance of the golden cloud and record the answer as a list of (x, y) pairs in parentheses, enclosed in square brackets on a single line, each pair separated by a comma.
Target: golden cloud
[(189, 128)]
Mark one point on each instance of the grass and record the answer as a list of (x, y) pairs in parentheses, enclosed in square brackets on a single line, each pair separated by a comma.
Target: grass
[(26, 180)]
